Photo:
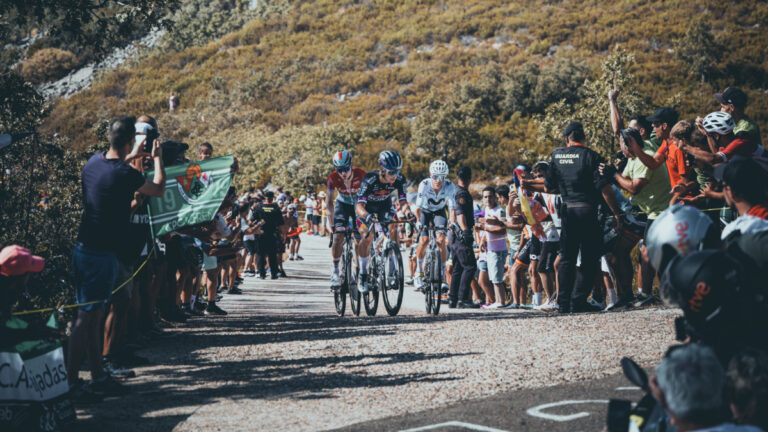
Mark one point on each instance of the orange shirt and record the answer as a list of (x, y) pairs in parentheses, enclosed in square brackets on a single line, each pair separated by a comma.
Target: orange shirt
[(675, 161)]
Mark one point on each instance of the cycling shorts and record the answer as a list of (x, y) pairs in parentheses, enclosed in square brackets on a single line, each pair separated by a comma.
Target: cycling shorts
[(529, 252), (439, 218), (547, 258), (341, 214)]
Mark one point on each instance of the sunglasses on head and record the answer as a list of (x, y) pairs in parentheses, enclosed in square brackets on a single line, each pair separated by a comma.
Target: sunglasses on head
[(391, 172), (343, 169), (438, 177)]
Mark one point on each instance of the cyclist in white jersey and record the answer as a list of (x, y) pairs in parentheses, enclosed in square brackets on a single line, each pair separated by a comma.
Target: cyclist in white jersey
[(435, 195)]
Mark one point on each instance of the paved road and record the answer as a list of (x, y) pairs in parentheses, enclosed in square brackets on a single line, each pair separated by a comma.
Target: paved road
[(283, 360), (565, 407)]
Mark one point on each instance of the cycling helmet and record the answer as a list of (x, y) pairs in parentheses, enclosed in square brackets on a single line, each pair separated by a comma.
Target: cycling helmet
[(522, 167), (342, 158), (706, 286), (390, 160), (679, 230), (718, 122), (438, 167), (540, 166)]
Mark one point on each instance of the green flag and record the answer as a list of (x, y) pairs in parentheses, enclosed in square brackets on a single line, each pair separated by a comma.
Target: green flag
[(193, 193)]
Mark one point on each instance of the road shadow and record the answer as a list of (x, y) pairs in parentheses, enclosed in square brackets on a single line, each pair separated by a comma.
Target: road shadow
[(185, 377)]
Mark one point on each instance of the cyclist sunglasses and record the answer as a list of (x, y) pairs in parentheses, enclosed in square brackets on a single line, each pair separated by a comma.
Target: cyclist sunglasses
[(391, 172), (438, 177), (344, 169)]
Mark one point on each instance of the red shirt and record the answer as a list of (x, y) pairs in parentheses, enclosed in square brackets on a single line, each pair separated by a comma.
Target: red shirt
[(759, 210), (347, 189), (738, 147), (675, 161)]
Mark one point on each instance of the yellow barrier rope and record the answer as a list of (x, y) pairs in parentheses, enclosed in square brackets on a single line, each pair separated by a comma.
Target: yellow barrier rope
[(119, 287)]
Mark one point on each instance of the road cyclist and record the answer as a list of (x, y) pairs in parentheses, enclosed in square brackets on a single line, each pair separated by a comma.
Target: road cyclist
[(345, 179), (374, 208)]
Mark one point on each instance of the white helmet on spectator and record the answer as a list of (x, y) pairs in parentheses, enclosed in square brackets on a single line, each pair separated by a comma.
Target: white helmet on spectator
[(438, 167), (679, 230), (719, 122)]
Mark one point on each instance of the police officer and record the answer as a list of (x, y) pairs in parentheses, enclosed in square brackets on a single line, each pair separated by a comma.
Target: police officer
[(271, 217), (574, 174), (464, 263)]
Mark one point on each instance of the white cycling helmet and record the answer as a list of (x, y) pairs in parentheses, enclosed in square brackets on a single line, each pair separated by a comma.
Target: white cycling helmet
[(719, 122), (679, 230), (438, 167), (342, 158)]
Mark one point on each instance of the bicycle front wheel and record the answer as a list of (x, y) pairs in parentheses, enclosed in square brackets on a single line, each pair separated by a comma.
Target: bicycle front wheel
[(427, 264), (392, 291), (436, 281), (340, 299), (349, 261)]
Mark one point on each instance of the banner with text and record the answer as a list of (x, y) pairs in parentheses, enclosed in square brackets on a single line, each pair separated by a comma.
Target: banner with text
[(193, 193)]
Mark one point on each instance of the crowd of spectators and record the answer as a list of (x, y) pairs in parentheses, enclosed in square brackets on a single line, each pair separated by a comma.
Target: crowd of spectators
[(715, 164)]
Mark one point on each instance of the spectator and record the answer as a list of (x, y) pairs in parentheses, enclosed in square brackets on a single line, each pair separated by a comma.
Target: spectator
[(109, 184), (733, 101), (747, 388), (271, 219), (309, 208), (689, 384), (16, 265), (173, 103), (744, 186), (662, 121), (464, 263), (718, 127), (550, 246), (573, 171), (496, 241), (650, 193)]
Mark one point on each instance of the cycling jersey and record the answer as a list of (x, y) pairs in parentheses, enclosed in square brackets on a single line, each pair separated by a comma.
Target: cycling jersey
[(373, 191), (429, 200), (347, 189)]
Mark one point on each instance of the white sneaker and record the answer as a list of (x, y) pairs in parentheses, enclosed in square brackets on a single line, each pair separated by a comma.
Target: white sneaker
[(596, 304), (549, 306), (496, 305), (418, 281), (335, 280), (409, 281)]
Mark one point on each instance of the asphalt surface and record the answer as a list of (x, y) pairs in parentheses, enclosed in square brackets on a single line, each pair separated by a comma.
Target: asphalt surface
[(567, 407)]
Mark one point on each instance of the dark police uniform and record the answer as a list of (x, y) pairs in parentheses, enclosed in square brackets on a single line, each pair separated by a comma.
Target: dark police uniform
[(267, 242), (574, 172), (464, 262)]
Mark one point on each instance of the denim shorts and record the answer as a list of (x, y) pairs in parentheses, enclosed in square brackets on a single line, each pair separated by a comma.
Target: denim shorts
[(124, 273), (94, 273), (496, 260)]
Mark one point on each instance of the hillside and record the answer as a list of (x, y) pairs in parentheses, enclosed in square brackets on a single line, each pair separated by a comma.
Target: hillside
[(468, 81)]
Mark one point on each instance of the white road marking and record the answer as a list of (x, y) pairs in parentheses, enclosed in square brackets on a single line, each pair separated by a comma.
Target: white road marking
[(469, 426), (537, 410), (628, 388)]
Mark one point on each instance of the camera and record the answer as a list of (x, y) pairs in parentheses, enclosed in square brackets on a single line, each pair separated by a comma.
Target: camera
[(151, 135)]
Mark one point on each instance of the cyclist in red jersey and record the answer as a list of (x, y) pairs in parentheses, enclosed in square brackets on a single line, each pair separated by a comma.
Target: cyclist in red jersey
[(346, 179)]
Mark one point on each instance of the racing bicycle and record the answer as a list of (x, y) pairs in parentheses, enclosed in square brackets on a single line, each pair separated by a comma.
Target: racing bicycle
[(385, 271), (349, 273), (432, 269)]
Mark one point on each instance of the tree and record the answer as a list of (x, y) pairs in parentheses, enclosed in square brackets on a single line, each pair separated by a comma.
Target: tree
[(592, 110), (697, 52)]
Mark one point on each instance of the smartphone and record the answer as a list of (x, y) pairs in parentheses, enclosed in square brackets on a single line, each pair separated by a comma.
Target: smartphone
[(618, 415)]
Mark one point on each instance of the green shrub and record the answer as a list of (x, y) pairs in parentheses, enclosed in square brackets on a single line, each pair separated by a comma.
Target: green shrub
[(48, 64)]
